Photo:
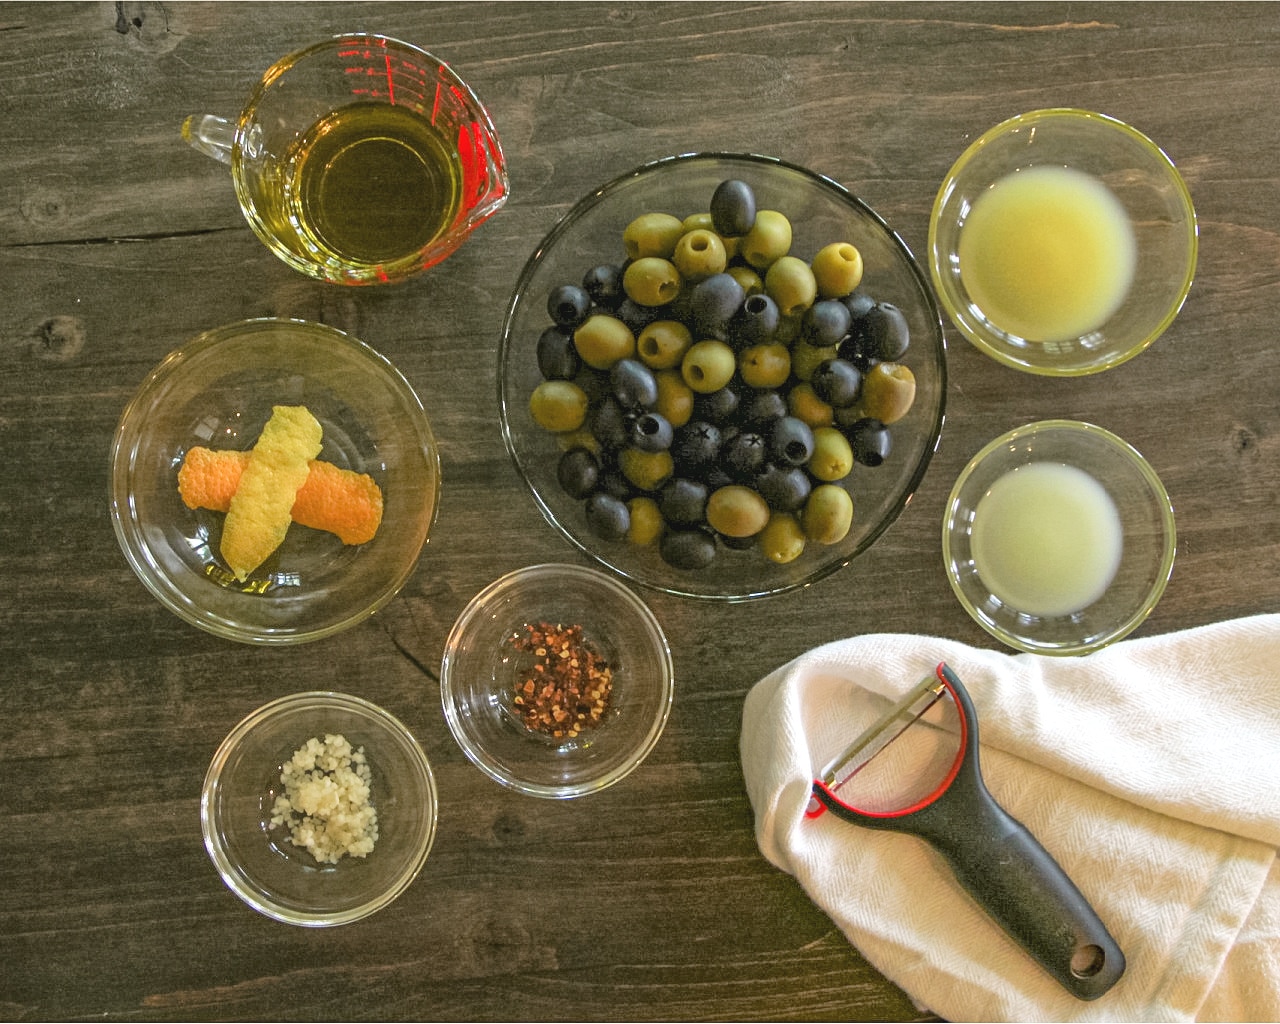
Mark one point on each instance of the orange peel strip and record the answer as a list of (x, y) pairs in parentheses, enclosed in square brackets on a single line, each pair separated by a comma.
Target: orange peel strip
[(338, 501)]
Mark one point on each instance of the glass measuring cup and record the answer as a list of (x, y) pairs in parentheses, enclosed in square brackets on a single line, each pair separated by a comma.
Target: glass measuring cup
[(360, 159)]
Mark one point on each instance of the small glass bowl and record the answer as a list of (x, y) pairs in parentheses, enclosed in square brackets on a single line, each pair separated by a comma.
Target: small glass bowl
[(821, 211), (258, 862), (218, 391), (1139, 175), (1146, 519), (482, 668)]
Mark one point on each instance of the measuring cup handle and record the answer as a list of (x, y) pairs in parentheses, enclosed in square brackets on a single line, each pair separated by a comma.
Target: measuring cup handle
[(212, 136), (1023, 888)]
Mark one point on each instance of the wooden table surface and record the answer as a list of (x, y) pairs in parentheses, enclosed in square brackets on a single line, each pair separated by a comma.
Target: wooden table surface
[(651, 899)]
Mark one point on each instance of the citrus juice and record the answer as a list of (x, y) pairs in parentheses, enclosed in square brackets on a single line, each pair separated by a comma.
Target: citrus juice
[(1046, 539), (1047, 253)]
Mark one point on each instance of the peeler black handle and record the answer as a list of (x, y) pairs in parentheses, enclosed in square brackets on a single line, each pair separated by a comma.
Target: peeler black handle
[(1002, 865), (1016, 880)]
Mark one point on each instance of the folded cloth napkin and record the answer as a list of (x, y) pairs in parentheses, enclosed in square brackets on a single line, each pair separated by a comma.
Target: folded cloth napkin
[(1150, 770)]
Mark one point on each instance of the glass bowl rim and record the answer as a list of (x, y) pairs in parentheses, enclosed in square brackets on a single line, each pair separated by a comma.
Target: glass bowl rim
[(129, 533), (932, 313), (306, 700), (1083, 116), (565, 573), (1133, 458)]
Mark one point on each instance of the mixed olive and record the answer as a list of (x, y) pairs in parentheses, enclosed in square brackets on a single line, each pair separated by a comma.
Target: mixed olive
[(712, 390)]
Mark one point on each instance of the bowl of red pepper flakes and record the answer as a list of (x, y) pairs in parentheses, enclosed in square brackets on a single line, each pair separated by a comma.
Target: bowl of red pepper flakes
[(556, 680)]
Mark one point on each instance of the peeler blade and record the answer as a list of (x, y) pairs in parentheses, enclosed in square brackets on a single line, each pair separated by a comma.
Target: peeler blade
[(880, 734)]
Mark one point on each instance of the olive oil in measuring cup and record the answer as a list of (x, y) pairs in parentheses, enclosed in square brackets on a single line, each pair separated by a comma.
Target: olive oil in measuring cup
[(370, 184)]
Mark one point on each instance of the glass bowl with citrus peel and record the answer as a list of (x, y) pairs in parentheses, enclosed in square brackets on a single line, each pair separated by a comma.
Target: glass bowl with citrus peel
[(274, 481), (722, 376)]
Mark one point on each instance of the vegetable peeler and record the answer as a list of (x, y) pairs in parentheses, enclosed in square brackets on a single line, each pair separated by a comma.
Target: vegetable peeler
[(997, 860)]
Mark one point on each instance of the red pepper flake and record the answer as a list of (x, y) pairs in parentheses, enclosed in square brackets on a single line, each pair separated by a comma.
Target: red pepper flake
[(576, 681)]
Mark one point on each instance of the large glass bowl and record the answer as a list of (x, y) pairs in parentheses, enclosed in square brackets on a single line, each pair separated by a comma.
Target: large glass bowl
[(1145, 519), (255, 856), (217, 391), (1154, 198), (485, 667), (821, 212)]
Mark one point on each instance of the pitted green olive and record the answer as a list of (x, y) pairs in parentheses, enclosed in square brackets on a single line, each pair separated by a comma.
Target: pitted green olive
[(647, 470), (699, 254), (708, 366), (806, 358), (737, 511), (789, 282), (752, 283), (651, 281), (652, 234), (675, 398), (888, 392), (832, 457), (768, 240), (782, 540), (828, 514), (803, 404), (765, 366), (558, 405), (838, 269), (602, 340), (646, 521), (663, 343)]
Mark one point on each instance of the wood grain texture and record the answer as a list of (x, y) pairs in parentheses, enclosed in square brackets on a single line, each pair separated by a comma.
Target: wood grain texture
[(649, 900)]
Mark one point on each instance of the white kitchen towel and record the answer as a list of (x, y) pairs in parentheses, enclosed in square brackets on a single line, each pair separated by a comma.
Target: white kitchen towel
[(1150, 770)]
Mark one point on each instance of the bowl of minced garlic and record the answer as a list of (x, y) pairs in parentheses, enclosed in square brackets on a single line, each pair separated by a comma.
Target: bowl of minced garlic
[(319, 809), (274, 481)]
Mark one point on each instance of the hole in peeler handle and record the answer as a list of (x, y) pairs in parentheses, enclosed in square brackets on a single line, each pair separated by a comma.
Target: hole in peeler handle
[(1087, 961)]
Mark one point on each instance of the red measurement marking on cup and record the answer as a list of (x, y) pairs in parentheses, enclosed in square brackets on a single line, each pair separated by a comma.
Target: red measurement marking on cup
[(391, 84), (435, 106)]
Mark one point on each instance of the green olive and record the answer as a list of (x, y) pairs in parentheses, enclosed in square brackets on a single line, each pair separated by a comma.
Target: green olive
[(652, 234), (582, 437), (838, 269), (790, 283), (602, 340), (558, 405), (663, 343), (675, 398), (703, 222), (699, 254), (765, 366), (782, 540), (828, 514), (737, 511), (888, 392), (832, 457), (789, 330), (806, 358), (651, 281), (804, 404), (752, 283), (647, 470), (708, 366), (768, 240), (646, 521)]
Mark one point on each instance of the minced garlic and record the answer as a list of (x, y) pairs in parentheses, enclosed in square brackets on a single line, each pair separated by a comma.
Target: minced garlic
[(326, 801)]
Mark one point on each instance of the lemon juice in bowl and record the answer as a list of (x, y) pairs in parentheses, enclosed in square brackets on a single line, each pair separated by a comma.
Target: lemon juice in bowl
[(1047, 253), (1047, 539)]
